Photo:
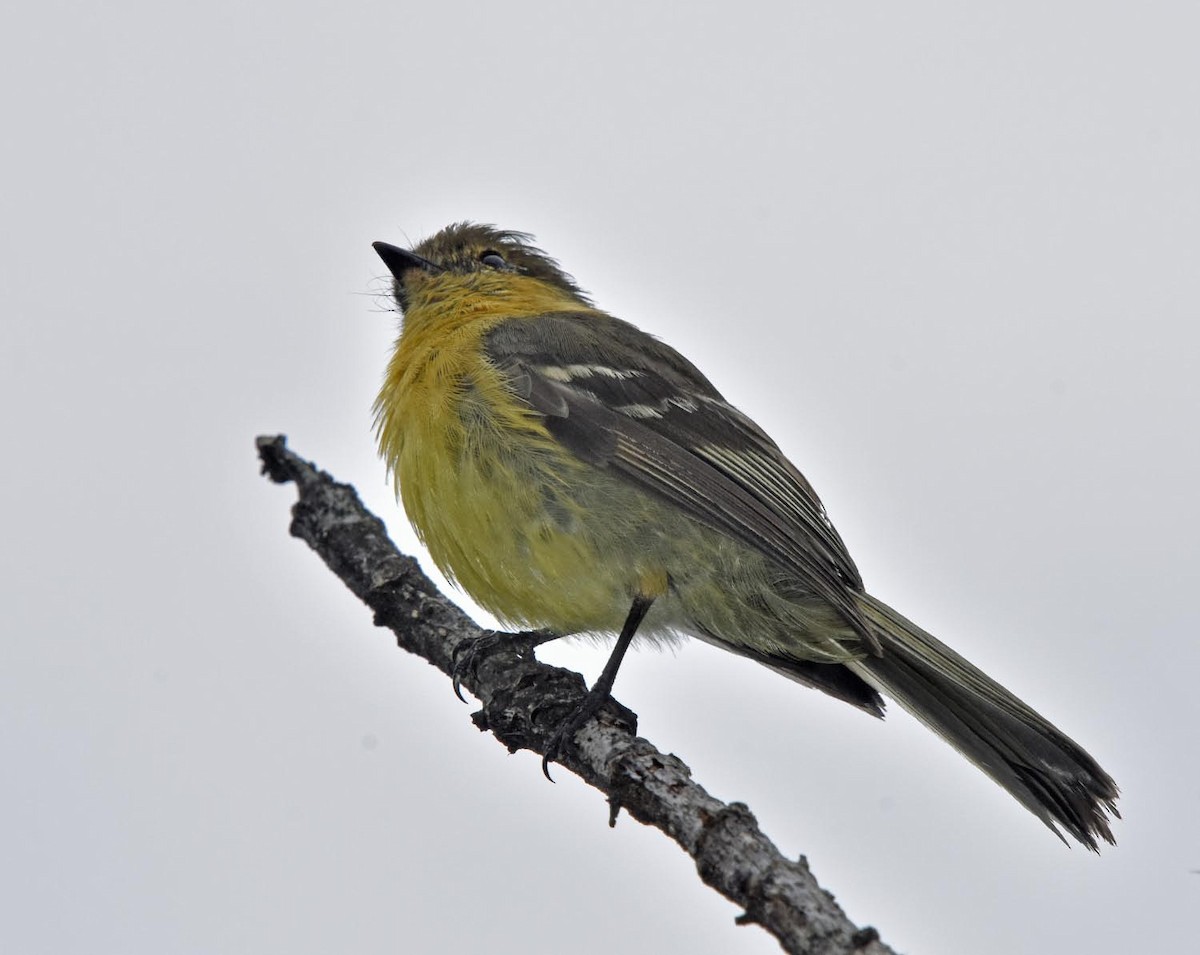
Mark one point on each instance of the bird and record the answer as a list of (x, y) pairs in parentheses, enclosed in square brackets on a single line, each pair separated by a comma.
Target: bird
[(576, 475)]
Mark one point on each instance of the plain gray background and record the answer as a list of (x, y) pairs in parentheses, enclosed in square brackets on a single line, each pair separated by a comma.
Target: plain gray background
[(946, 256)]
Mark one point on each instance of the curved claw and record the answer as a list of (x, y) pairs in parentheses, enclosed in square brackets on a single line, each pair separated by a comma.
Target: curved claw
[(566, 730), (554, 745), (462, 650), (465, 655), (468, 651), (456, 673), (588, 707)]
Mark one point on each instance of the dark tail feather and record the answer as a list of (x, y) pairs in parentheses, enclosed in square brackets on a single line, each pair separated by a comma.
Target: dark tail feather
[(1049, 775)]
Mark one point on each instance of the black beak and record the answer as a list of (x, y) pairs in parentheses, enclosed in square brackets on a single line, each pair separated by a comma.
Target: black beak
[(400, 260)]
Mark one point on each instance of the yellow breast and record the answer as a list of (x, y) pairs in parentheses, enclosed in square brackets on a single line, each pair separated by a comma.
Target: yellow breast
[(490, 493)]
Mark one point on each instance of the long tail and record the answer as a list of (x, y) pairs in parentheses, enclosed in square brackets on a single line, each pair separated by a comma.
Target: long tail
[(1049, 775)]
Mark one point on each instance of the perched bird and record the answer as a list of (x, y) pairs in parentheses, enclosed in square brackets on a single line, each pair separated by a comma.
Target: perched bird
[(576, 475)]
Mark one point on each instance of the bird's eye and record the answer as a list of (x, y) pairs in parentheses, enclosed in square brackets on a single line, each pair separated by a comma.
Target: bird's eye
[(493, 260)]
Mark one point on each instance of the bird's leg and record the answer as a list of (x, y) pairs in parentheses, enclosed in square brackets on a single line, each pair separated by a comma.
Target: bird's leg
[(468, 653), (601, 690)]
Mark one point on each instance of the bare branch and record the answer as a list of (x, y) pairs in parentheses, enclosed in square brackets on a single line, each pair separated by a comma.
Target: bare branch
[(524, 701)]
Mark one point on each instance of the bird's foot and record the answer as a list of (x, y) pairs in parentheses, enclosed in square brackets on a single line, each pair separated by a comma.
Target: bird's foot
[(469, 653), (588, 707)]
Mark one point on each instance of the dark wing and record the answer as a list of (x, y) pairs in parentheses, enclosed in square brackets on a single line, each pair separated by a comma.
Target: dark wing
[(617, 397)]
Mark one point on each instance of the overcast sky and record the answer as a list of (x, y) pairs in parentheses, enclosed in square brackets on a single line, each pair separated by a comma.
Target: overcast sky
[(946, 256)]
